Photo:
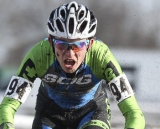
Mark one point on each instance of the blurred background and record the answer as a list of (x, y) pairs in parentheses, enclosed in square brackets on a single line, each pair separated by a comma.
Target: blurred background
[(130, 28)]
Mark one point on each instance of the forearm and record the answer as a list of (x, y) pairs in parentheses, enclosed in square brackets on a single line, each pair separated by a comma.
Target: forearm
[(134, 117), (8, 108)]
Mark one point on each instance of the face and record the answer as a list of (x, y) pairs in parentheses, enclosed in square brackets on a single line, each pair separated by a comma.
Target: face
[(71, 58)]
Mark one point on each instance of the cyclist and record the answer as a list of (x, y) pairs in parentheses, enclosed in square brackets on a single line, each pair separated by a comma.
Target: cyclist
[(71, 63)]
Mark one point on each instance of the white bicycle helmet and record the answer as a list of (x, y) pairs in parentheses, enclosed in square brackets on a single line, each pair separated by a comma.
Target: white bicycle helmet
[(72, 21)]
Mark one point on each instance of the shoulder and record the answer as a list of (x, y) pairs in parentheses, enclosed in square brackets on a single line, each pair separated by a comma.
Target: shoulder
[(38, 59), (99, 48), (99, 44), (41, 50), (42, 45), (102, 61)]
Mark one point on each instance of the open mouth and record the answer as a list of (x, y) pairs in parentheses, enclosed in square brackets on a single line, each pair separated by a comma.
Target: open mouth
[(69, 63)]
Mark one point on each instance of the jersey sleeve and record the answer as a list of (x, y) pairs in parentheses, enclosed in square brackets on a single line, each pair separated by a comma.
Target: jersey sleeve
[(134, 118), (105, 66), (34, 65)]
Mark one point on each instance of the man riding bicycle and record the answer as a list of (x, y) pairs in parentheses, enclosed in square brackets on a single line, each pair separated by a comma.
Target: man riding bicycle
[(71, 63)]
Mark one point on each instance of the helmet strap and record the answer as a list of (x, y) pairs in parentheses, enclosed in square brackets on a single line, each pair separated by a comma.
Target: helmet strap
[(90, 44), (50, 37)]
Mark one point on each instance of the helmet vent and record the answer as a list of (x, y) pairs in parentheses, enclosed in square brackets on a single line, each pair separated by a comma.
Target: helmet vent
[(71, 25), (50, 27), (63, 14), (92, 16), (73, 5), (83, 26), (59, 25), (81, 14), (92, 28)]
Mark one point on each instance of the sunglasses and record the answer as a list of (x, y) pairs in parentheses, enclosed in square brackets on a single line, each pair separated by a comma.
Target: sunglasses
[(75, 46)]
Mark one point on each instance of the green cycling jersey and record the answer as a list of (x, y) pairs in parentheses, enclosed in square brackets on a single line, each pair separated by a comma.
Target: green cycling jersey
[(99, 63)]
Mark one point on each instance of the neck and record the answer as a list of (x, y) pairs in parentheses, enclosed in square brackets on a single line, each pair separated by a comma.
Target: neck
[(70, 75)]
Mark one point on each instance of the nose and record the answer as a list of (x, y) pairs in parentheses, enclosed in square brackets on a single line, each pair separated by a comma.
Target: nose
[(70, 52)]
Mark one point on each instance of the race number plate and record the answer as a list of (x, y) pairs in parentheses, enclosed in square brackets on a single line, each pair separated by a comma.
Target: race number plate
[(120, 88), (18, 88)]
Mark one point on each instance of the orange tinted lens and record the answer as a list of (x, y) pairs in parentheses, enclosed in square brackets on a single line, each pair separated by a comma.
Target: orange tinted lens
[(77, 47)]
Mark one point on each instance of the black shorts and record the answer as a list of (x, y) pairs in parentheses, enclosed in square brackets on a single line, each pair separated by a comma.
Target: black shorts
[(94, 115)]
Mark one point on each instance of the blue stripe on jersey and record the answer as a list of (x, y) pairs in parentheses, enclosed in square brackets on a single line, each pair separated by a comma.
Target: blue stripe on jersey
[(71, 100), (73, 93)]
